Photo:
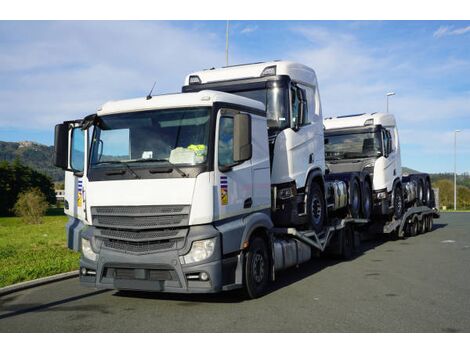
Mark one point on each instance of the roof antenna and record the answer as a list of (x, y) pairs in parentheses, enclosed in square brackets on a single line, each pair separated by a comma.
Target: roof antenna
[(149, 96)]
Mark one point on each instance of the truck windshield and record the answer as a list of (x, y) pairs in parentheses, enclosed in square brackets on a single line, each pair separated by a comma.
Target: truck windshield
[(275, 100), (176, 136), (353, 146)]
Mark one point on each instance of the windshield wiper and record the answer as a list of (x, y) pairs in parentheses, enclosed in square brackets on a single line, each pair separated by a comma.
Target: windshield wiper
[(119, 162), (181, 172)]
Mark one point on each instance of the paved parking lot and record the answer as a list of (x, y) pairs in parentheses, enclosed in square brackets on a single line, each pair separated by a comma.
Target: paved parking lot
[(420, 284)]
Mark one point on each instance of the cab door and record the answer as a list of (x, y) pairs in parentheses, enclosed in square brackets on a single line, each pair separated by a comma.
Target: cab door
[(71, 155), (390, 155), (233, 179)]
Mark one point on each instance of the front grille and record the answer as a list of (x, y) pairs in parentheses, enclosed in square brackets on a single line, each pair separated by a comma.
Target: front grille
[(138, 236), (141, 217), (140, 274), (140, 247)]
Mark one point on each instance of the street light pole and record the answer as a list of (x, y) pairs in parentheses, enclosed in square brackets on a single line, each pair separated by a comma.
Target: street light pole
[(389, 95), (226, 43), (455, 169)]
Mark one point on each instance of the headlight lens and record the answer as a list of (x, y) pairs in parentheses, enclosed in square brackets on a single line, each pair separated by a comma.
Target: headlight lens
[(87, 250), (200, 250)]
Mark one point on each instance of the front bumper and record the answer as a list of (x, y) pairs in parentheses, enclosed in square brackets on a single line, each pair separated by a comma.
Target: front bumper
[(161, 271)]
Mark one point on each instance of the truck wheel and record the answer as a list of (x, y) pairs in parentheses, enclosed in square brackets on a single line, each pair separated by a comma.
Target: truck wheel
[(427, 193), (256, 268), (429, 223), (397, 202), (316, 207), (367, 201), (347, 247), (419, 193), (414, 226), (355, 199), (421, 225)]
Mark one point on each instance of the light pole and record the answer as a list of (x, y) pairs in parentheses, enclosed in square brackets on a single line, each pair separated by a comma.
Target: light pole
[(389, 95), (226, 43), (455, 169)]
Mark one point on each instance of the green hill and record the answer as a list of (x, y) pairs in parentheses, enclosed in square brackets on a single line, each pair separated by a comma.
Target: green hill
[(34, 155)]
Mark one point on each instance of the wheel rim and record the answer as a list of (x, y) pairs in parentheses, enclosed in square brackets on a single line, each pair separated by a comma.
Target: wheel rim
[(355, 201), (258, 268), (316, 210)]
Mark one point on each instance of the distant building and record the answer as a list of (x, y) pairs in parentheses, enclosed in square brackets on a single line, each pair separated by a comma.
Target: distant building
[(59, 194)]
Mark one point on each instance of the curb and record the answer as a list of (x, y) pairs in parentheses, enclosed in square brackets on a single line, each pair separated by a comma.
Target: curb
[(37, 282)]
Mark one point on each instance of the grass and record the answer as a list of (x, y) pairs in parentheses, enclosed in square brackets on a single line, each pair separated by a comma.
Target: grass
[(29, 252)]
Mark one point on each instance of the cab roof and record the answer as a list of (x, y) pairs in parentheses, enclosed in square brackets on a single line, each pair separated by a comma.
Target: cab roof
[(297, 72), (374, 119), (168, 101)]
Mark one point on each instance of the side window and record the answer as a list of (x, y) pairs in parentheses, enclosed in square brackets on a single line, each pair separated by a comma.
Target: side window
[(299, 106), (225, 151), (295, 105), (387, 142), (77, 151)]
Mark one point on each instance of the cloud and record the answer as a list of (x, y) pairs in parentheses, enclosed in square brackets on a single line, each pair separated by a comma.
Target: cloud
[(443, 31), (249, 29), (55, 71)]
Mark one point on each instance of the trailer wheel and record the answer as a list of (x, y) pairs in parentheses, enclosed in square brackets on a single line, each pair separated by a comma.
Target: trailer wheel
[(397, 202), (347, 243), (256, 268), (429, 223), (316, 207), (421, 225), (355, 199), (414, 226), (367, 201)]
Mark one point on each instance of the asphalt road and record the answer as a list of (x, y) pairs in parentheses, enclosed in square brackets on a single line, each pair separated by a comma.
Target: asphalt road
[(420, 284)]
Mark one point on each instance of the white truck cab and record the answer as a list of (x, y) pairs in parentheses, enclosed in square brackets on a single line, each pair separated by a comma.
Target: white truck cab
[(366, 142)]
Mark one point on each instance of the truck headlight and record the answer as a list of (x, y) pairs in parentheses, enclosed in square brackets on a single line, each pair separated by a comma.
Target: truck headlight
[(200, 250), (87, 250)]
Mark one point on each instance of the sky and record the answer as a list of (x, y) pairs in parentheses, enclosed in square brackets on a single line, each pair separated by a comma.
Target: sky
[(51, 71)]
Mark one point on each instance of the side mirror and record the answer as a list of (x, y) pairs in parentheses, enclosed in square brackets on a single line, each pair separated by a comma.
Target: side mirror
[(61, 146), (242, 148)]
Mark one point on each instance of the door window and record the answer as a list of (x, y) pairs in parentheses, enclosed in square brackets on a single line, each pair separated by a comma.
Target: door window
[(225, 151)]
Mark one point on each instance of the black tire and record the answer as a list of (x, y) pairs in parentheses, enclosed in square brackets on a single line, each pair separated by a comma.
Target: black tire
[(316, 207), (427, 193), (347, 243), (398, 202), (367, 201), (414, 226), (355, 199), (430, 223), (419, 193), (421, 225), (256, 268)]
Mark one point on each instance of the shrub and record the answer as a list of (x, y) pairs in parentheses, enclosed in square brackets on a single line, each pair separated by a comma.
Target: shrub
[(31, 206)]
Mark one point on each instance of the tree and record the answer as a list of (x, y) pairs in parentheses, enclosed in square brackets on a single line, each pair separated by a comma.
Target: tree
[(16, 178), (31, 206)]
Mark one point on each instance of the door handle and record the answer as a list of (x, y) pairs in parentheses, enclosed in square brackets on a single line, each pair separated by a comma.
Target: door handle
[(248, 203)]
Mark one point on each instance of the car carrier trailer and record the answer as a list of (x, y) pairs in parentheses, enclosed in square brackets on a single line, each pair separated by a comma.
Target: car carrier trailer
[(404, 205), (207, 191)]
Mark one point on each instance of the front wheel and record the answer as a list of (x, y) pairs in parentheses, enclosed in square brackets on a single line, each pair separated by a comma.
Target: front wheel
[(367, 201), (316, 207), (256, 268), (397, 202)]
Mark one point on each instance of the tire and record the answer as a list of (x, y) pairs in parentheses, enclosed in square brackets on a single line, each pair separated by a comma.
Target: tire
[(419, 193), (347, 243), (430, 223), (414, 226), (367, 201), (355, 199), (427, 193), (397, 202), (316, 207), (421, 225), (256, 268)]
